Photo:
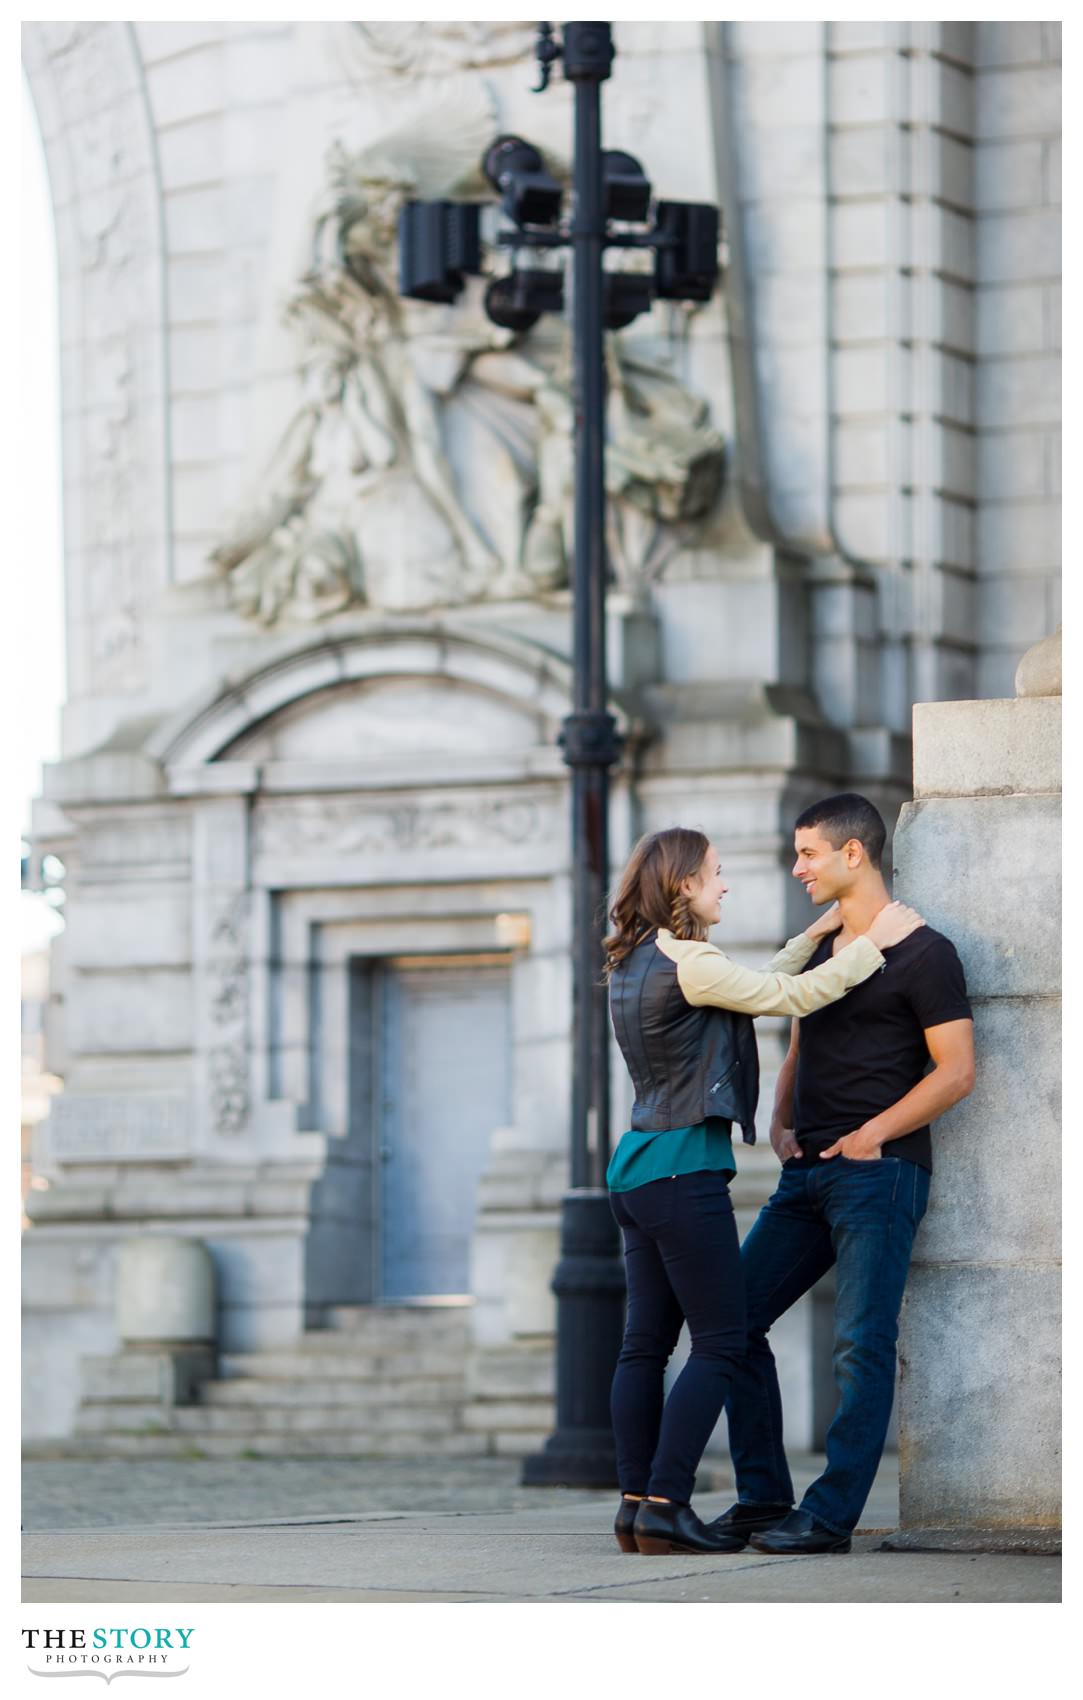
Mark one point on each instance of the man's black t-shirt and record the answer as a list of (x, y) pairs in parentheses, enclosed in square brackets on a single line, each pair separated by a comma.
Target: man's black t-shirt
[(862, 1054)]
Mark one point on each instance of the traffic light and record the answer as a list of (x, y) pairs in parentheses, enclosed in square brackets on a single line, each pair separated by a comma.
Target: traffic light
[(517, 302), (528, 193), (686, 262), (439, 241), (627, 191), (624, 296)]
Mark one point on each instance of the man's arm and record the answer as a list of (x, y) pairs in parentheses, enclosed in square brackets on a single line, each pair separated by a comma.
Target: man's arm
[(951, 1046), (783, 1142)]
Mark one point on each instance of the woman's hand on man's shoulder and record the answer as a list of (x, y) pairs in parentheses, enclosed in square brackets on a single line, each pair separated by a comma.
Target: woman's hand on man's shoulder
[(829, 922)]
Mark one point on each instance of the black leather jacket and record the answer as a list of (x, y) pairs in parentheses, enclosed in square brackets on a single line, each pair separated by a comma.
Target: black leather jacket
[(686, 1063)]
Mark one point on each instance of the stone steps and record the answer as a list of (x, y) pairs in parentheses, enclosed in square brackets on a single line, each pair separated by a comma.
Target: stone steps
[(349, 1364), (336, 1443), (393, 1381), (527, 1415), (355, 1392), (526, 1369), (289, 1419), (268, 1419), (156, 1376), (518, 1443), (397, 1325)]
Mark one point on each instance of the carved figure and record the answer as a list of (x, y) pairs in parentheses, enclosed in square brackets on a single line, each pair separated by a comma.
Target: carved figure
[(432, 49), (364, 503), (664, 467)]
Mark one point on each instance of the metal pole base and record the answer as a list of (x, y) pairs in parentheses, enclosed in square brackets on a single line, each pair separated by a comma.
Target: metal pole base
[(589, 1285), (573, 1461)]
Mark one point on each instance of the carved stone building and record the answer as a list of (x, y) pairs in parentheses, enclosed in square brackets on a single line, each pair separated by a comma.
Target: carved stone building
[(312, 1003)]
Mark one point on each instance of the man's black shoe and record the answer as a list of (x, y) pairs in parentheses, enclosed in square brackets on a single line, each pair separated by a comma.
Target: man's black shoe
[(748, 1519), (799, 1532)]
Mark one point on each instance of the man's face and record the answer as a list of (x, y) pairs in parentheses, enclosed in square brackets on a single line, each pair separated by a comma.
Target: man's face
[(825, 873)]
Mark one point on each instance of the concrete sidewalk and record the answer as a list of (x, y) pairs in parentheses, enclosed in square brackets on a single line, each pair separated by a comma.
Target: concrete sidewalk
[(407, 1530)]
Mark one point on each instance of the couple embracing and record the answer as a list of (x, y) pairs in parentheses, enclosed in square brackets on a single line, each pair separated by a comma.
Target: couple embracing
[(875, 996)]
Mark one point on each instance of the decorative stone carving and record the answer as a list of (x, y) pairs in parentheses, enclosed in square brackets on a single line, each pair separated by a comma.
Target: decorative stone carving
[(111, 1127), (227, 983), (344, 827), (664, 468), (135, 845), (86, 80), (228, 1069), (430, 461), (383, 49)]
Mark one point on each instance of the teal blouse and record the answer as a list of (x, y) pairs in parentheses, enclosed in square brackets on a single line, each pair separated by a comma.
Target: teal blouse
[(643, 1157)]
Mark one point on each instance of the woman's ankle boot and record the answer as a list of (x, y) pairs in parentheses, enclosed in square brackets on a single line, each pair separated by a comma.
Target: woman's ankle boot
[(622, 1528), (668, 1527)]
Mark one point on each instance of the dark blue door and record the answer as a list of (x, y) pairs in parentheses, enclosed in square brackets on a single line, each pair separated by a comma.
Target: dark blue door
[(446, 1046)]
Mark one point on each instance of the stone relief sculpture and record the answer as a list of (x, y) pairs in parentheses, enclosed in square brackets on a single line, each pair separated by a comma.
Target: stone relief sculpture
[(403, 49), (363, 505), (664, 467), (430, 461), (290, 827), (227, 1055)]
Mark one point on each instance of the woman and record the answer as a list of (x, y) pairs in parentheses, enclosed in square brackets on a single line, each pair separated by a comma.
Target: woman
[(682, 1013)]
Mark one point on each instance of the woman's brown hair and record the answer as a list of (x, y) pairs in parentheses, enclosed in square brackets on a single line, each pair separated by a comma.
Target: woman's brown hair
[(649, 894)]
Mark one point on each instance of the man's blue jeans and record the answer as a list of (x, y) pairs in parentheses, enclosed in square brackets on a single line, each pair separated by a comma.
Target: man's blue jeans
[(861, 1216)]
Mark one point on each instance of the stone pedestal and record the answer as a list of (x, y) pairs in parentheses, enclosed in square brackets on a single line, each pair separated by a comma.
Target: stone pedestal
[(166, 1302), (165, 1291), (977, 851)]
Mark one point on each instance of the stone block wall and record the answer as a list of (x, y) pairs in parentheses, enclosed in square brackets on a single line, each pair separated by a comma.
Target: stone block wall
[(215, 93), (1017, 201), (979, 1417), (892, 192)]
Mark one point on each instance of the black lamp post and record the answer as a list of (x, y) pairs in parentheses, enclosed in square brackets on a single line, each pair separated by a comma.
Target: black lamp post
[(438, 243), (589, 1278)]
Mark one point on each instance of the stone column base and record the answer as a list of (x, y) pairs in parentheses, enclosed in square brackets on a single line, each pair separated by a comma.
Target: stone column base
[(1041, 1542)]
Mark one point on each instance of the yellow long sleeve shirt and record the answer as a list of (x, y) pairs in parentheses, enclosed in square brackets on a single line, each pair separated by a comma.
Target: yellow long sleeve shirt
[(706, 975)]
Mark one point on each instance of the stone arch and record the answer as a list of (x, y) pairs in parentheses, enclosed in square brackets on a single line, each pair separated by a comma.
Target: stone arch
[(517, 673), (88, 88)]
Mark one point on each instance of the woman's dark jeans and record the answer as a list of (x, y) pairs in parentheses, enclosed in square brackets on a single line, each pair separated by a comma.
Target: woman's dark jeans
[(683, 1262)]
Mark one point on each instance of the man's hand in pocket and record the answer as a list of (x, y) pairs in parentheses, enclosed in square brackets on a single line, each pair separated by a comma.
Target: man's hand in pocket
[(783, 1142)]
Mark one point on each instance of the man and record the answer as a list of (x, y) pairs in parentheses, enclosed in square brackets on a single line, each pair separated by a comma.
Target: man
[(851, 1129)]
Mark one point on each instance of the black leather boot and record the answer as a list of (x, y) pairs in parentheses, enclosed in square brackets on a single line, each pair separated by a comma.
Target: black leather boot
[(622, 1528), (750, 1519), (662, 1528)]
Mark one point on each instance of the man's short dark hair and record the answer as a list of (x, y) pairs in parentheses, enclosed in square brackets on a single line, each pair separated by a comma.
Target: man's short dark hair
[(846, 816)]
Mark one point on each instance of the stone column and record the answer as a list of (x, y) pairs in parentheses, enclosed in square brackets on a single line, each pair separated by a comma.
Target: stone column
[(978, 852)]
